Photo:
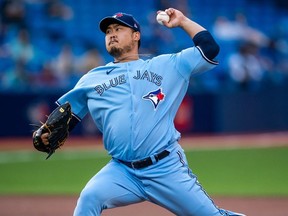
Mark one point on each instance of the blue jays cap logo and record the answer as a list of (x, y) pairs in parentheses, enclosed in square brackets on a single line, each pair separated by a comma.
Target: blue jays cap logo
[(155, 97), (119, 18), (117, 15)]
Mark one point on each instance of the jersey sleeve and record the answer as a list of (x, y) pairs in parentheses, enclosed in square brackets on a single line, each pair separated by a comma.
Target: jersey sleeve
[(190, 62), (77, 97)]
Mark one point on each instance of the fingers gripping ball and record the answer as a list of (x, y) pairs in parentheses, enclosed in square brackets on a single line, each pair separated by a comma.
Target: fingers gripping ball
[(57, 126), (162, 16)]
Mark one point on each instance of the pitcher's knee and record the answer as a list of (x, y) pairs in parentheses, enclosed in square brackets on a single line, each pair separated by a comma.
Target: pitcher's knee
[(90, 202)]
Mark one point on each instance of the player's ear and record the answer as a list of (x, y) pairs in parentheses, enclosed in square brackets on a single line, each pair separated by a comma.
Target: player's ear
[(136, 35)]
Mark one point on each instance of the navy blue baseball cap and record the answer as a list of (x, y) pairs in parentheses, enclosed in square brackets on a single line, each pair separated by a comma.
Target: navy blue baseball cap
[(119, 18)]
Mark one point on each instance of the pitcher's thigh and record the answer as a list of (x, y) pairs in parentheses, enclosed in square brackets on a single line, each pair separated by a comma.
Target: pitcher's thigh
[(178, 189), (110, 187)]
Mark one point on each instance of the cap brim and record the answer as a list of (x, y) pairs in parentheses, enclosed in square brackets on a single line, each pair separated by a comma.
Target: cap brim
[(104, 23)]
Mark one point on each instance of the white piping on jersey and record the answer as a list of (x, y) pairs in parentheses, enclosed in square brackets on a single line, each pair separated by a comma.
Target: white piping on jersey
[(79, 119), (76, 117), (207, 59)]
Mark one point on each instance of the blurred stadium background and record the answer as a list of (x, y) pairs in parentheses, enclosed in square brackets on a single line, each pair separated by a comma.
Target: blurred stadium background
[(46, 45)]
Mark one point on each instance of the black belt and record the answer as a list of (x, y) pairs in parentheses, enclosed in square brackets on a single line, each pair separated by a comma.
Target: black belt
[(145, 162)]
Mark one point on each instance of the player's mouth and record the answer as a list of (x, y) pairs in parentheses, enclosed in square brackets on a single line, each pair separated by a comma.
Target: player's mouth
[(113, 42)]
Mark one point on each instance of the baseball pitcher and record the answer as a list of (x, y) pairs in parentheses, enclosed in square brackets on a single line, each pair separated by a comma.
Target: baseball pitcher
[(133, 103)]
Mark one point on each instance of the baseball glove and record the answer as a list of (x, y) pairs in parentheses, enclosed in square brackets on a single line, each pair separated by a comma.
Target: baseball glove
[(57, 125)]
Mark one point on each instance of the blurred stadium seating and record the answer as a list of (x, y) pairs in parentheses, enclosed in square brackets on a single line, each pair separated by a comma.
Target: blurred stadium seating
[(76, 23), (33, 41)]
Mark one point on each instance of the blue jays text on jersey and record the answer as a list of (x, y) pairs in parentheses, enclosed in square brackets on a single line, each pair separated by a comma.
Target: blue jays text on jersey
[(149, 76), (111, 83)]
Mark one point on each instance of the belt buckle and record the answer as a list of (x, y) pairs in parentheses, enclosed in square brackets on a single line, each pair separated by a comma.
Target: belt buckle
[(132, 164)]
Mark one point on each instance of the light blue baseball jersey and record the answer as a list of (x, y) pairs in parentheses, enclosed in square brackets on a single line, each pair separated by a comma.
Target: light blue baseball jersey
[(134, 103)]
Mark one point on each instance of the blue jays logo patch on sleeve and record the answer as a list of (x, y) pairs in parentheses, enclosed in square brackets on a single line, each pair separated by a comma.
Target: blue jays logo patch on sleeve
[(155, 97)]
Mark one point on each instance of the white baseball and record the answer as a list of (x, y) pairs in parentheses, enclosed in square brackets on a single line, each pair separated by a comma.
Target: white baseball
[(162, 16)]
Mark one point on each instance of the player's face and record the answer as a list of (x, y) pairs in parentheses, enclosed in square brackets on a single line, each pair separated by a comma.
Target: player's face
[(120, 40)]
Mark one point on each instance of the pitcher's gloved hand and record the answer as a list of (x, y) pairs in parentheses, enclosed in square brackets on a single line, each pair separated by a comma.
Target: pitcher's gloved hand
[(57, 127)]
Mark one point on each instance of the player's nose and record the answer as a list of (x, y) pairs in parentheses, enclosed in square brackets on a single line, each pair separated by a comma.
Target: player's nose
[(112, 39)]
